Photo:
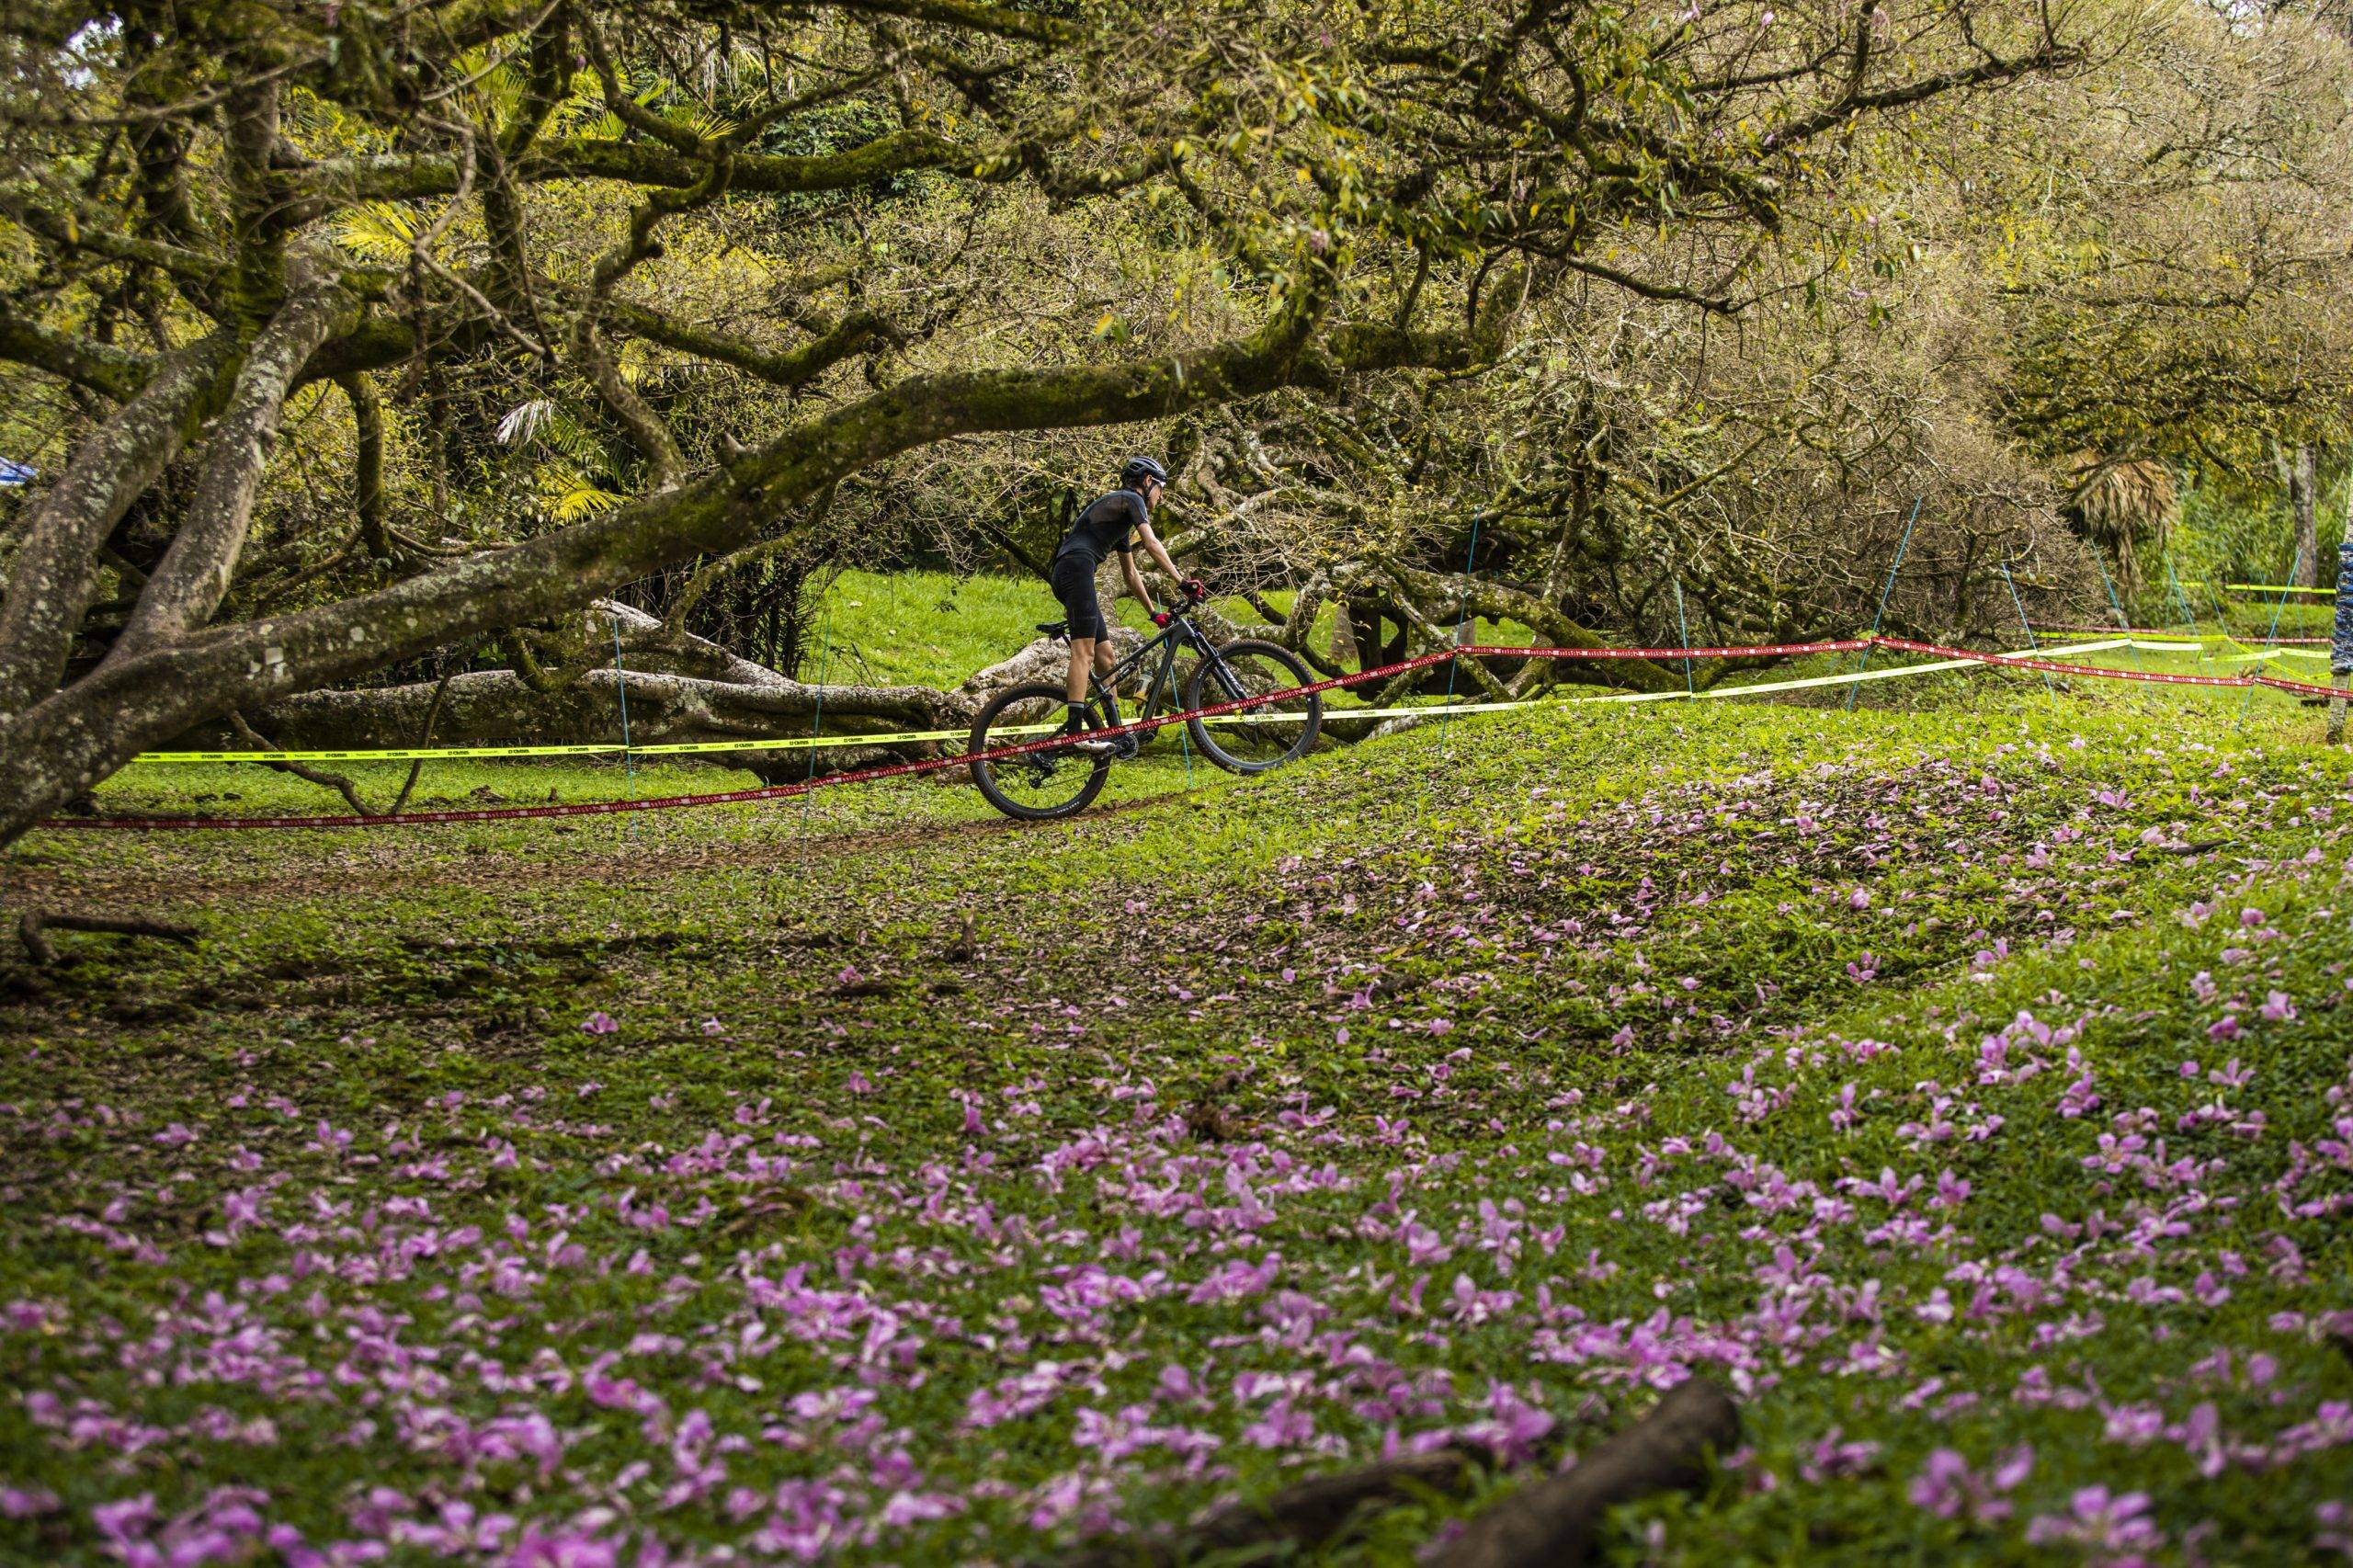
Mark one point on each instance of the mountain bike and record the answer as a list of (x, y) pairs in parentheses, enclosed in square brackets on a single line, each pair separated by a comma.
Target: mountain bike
[(1267, 729)]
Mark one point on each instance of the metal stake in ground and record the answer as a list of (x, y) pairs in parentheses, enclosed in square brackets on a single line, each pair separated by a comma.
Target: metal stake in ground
[(1901, 545), (2123, 621), (2340, 648), (817, 719), (1683, 626), (621, 685), (2221, 616), (2271, 637), (2032, 646), (1461, 610), (2181, 601)]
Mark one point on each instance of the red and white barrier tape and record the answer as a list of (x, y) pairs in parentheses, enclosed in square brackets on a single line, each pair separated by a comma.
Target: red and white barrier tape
[(1384, 672)]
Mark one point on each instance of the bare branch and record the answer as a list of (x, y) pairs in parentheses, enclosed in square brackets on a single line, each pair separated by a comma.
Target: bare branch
[(100, 367)]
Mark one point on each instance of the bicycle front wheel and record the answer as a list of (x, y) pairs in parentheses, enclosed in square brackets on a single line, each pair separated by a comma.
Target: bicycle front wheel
[(1038, 785), (1269, 730)]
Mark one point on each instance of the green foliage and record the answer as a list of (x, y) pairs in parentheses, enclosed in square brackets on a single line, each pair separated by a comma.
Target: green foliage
[(2231, 533)]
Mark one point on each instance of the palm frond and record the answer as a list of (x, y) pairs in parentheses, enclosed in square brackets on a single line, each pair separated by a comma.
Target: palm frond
[(525, 421), (377, 231), (567, 496)]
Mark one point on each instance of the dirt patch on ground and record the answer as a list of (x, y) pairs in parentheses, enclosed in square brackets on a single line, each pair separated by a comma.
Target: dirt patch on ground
[(21, 884)]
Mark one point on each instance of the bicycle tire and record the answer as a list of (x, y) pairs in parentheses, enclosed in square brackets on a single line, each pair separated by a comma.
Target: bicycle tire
[(1262, 666), (1026, 788)]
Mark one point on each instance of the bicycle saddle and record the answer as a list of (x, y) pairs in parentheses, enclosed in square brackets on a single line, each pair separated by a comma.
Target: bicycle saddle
[(1054, 628)]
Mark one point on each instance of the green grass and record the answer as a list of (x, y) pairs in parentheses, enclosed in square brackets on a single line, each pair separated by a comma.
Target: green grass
[(928, 627), (1489, 1073), (936, 628)]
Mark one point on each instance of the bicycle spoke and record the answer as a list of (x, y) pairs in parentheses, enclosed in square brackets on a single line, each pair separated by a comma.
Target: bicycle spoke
[(1048, 782), (1271, 729)]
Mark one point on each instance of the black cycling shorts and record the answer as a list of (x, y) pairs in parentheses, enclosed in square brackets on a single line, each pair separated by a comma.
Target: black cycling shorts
[(1074, 580)]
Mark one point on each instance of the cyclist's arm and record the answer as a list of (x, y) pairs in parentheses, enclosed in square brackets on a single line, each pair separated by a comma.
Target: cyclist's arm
[(1135, 577), (1159, 553)]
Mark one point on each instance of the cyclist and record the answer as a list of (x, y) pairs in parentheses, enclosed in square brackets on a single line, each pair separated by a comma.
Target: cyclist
[(1105, 526)]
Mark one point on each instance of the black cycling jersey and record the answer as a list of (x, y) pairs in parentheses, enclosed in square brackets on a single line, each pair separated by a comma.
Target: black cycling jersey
[(1104, 526)]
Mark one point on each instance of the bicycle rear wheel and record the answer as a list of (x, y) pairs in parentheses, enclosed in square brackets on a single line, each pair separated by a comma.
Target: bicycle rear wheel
[(1038, 785), (1271, 730)]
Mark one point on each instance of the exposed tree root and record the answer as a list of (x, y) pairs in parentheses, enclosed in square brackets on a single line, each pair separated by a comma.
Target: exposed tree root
[(1557, 1523), (34, 928), (324, 779)]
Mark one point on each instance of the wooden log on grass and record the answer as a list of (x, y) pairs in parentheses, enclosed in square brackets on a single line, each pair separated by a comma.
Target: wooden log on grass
[(1557, 1523), (34, 928), (1299, 1517)]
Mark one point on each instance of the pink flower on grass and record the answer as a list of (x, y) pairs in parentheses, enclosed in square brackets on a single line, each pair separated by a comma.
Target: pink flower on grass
[(2100, 1521), (1833, 1457), (1949, 1489), (599, 1023)]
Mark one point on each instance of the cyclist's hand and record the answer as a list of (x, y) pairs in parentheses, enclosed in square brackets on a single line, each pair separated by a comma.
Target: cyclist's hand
[(1194, 589), (1161, 617)]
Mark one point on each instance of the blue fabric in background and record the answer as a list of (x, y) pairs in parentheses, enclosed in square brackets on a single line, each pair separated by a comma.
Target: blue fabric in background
[(14, 473), (2340, 649)]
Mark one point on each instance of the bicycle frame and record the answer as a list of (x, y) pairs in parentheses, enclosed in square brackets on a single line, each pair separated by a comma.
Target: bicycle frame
[(1160, 695)]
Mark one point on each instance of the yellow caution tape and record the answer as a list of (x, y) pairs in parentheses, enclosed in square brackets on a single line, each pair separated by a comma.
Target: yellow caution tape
[(901, 737)]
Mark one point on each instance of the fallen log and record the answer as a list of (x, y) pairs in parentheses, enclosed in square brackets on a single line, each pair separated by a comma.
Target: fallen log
[(677, 688), (1299, 1517), (1557, 1522)]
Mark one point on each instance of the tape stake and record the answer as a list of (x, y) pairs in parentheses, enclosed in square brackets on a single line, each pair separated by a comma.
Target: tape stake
[(2049, 690), (1901, 546), (1683, 627), (621, 685), (2272, 641), (2122, 621), (2181, 601)]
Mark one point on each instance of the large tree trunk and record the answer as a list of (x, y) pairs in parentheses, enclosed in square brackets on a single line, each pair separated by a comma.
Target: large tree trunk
[(54, 571)]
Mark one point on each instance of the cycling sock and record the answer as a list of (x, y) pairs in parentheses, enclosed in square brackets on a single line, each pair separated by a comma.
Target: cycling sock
[(1075, 724)]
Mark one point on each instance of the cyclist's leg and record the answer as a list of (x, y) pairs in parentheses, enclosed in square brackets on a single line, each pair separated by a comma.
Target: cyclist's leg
[(1073, 583)]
